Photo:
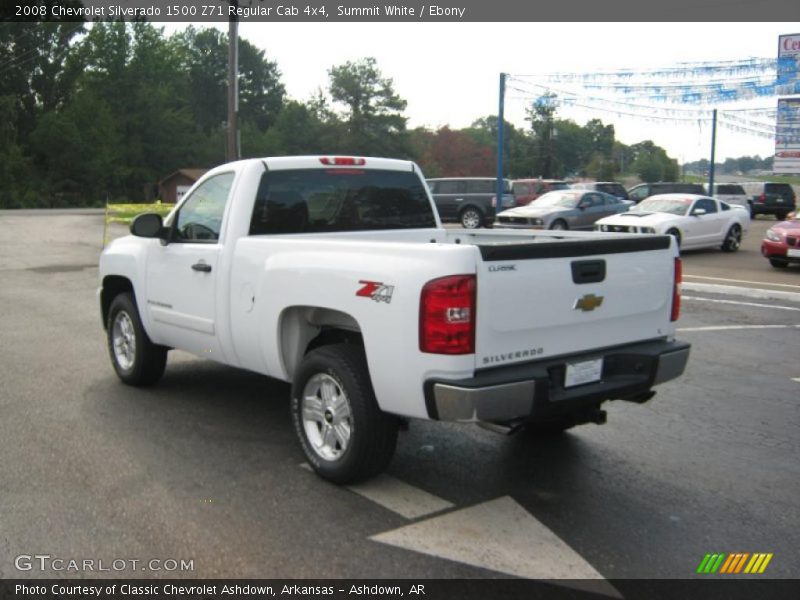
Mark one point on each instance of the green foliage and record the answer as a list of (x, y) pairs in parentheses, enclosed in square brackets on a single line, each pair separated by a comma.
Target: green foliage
[(103, 112)]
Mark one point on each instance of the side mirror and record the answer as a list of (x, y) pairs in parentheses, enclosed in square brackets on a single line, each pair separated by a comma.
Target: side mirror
[(149, 225), (698, 212)]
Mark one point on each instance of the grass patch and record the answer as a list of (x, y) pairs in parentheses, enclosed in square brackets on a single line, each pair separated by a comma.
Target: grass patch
[(125, 213)]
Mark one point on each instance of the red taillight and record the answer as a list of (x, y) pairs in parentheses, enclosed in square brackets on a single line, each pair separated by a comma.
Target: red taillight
[(447, 315), (762, 198), (676, 290), (346, 161)]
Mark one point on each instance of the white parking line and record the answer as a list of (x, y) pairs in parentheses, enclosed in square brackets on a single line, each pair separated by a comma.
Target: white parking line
[(786, 285), (501, 536), (720, 301), (735, 327), (399, 497), (732, 290)]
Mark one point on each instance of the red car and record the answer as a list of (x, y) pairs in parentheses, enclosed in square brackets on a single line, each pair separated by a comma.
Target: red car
[(782, 244)]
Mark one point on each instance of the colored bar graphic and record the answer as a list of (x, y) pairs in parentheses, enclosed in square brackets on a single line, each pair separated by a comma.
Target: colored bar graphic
[(754, 563), (727, 564), (734, 563), (703, 563), (718, 563), (741, 562), (765, 563)]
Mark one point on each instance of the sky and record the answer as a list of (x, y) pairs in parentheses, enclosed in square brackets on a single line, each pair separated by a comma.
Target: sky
[(449, 72)]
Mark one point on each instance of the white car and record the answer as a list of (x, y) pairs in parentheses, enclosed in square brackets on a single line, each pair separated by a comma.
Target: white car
[(695, 221)]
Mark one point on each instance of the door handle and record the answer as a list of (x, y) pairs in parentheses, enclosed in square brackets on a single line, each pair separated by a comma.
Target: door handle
[(202, 267)]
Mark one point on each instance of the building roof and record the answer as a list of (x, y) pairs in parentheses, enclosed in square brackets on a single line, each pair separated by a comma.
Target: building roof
[(193, 174)]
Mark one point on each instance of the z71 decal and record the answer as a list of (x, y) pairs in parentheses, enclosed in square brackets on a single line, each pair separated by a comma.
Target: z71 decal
[(376, 290)]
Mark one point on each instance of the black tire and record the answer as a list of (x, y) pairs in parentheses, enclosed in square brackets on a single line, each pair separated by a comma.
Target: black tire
[(778, 264), (471, 218), (136, 359), (677, 234), (733, 239), (371, 435), (559, 224)]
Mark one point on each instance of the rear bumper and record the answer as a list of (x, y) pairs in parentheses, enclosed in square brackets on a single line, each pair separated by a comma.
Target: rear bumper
[(771, 208), (535, 391)]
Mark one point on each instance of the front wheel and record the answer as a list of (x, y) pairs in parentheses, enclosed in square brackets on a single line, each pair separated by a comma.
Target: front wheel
[(733, 240), (471, 218), (344, 435), (136, 359), (559, 225)]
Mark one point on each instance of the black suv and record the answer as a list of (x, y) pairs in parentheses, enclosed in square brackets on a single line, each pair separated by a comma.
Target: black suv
[(770, 198), (645, 190)]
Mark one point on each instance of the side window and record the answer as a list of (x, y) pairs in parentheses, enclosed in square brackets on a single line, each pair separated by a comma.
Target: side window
[(433, 186), (480, 186), (638, 193), (706, 204), (610, 200), (451, 187), (200, 217)]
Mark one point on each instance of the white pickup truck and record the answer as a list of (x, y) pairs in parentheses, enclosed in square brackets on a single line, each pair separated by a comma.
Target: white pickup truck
[(335, 274)]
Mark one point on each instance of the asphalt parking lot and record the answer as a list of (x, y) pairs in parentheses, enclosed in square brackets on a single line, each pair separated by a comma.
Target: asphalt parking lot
[(204, 467)]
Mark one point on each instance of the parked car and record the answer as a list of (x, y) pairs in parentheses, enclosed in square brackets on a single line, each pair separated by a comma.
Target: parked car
[(564, 209), (732, 193), (770, 198), (644, 190), (468, 200), (695, 221), (782, 244), (528, 190), (609, 187)]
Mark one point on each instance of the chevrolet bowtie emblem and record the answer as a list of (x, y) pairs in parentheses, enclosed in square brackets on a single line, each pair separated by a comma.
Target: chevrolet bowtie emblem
[(588, 302)]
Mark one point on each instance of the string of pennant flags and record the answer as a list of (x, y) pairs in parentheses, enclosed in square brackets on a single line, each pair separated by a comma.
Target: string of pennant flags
[(677, 94)]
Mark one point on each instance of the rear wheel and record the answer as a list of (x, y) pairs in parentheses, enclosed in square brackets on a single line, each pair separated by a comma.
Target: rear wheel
[(559, 224), (781, 216), (471, 218), (343, 433), (778, 264), (733, 240), (136, 359)]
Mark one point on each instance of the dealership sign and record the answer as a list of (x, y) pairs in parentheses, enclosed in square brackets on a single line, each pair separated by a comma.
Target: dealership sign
[(787, 126)]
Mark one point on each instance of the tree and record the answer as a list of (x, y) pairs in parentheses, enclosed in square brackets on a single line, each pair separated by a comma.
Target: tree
[(449, 153), (205, 58), (371, 110)]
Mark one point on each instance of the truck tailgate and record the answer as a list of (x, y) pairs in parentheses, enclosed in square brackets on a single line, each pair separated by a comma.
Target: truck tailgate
[(552, 298)]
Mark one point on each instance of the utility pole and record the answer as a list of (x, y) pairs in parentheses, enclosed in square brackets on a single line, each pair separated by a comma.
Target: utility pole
[(499, 188), (233, 86), (713, 148)]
